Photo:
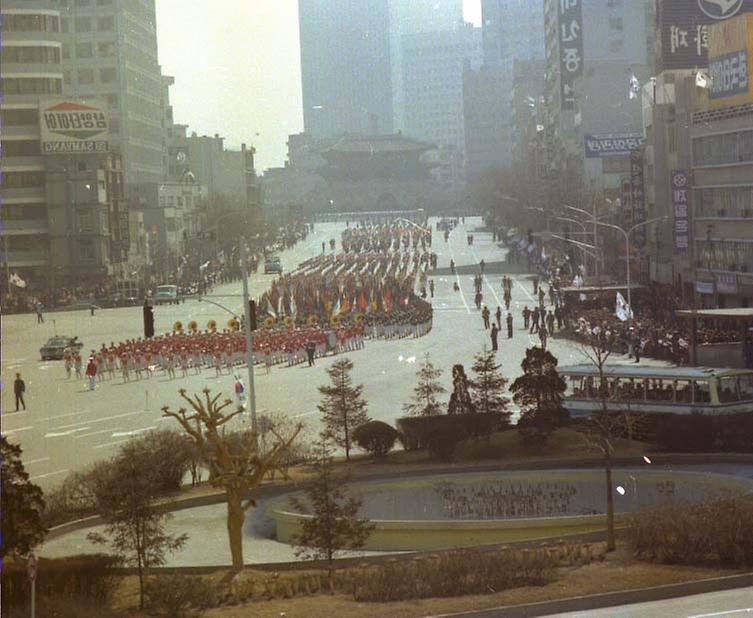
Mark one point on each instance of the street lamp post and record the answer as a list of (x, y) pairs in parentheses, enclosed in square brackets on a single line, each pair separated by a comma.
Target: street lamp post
[(627, 234), (249, 335)]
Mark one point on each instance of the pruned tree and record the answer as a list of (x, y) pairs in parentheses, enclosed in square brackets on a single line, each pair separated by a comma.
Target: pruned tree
[(489, 385), (424, 401), (342, 406), (134, 524), (236, 470), (460, 398), (333, 525), (22, 504), (539, 393)]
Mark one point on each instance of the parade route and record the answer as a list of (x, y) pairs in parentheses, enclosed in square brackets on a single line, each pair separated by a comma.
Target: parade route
[(66, 427)]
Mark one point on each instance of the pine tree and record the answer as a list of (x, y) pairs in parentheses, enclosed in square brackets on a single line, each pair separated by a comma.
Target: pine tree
[(539, 392), (342, 407), (488, 387), (460, 399), (424, 401), (334, 524), (22, 504)]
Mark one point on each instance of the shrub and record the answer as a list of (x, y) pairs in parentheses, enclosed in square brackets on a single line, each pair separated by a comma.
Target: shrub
[(453, 574), (178, 596), (717, 531), (416, 430), (376, 437), (87, 577), (699, 433), (166, 453), (441, 444)]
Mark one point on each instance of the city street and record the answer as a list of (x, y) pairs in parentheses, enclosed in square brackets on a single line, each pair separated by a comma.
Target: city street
[(66, 427)]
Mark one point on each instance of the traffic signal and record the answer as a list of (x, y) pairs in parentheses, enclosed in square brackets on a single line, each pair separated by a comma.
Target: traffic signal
[(148, 321), (252, 314)]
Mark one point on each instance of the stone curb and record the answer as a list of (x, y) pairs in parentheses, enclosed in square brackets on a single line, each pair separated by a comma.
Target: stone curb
[(610, 599)]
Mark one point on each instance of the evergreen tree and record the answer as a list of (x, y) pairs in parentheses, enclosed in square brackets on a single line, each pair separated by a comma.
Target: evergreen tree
[(539, 392), (22, 504), (334, 524), (424, 401), (460, 399), (342, 407), (489, 386)]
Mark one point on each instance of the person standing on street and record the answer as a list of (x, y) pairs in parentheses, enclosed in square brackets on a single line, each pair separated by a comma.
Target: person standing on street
[(499, 317), (542, 336), (91, 373), (477, 299), (550, 321), (494, 334), (38, 308), (452, 266), (19, 388), (526, 317), (485, 316), (535, 320), (509, 325), (535, 286), (310, 350)]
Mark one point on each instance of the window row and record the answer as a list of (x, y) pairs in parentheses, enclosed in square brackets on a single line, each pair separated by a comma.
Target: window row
[(106, 75), (30, 23), (725, 255), (22, 212), (723, 149), (31, 85), (724, 202), (20, 148), (640, 389), (84, 24), (30, 55), (18, 117)]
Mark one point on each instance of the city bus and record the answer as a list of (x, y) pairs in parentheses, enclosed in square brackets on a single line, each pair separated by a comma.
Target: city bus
[(662, 390)]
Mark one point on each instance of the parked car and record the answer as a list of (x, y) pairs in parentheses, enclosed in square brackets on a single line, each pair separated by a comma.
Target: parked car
[(56, 347), (166, 294), (272, 265)]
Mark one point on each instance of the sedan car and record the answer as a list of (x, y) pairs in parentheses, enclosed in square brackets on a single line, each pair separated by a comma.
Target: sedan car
[(56, 347), (273, 265)]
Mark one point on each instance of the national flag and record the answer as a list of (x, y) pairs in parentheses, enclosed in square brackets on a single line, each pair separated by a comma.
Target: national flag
[(622, 309), (634, 87), (17, 281), (703, 79)]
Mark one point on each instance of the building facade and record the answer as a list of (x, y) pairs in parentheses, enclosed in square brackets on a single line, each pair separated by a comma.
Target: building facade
[(31, 68), (345, 67), (110, 52), (433, 64)]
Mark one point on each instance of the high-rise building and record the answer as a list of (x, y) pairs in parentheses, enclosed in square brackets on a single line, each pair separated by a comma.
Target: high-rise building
[(110, 51), (433, 64), (30, 69), (345, 67), (415, 17), (512, 30)]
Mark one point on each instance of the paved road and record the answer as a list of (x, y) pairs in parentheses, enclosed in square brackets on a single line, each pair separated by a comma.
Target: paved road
[(729, 603), (66, 427)]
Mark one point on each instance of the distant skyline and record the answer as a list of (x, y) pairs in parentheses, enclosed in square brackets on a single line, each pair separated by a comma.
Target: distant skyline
[(237, 69)]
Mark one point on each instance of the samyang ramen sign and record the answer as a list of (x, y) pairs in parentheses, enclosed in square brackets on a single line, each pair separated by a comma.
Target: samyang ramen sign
[(69, 127)]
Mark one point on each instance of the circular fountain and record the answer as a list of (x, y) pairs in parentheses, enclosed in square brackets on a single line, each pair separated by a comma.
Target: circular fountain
[(462, 510)]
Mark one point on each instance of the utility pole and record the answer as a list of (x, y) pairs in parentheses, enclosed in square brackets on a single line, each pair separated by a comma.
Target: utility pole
[(249, 335)]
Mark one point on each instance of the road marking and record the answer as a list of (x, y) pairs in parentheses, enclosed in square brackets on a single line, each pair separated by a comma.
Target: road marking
[(101, 420), (106, 444), (306, 414), (10, 431), (60, 434), (120, 434), (94, 433), (522, 287), (41, 476), (727, 613), (33, 461)]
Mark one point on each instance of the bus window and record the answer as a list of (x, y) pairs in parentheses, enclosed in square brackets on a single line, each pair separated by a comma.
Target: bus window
[(727, 389), (683, 394), (746, 387), (654, 390), (573, 387), (701, 393)]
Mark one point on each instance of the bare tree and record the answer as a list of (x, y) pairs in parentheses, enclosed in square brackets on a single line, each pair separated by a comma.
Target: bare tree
[(236, 470)]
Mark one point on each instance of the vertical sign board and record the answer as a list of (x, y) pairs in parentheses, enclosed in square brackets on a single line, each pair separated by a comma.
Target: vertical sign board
[(681, 210), (571, 49), (730, 60), (684, 29), (638, 197)]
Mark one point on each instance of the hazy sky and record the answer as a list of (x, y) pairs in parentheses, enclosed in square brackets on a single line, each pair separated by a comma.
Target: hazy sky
[(237, 69)]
